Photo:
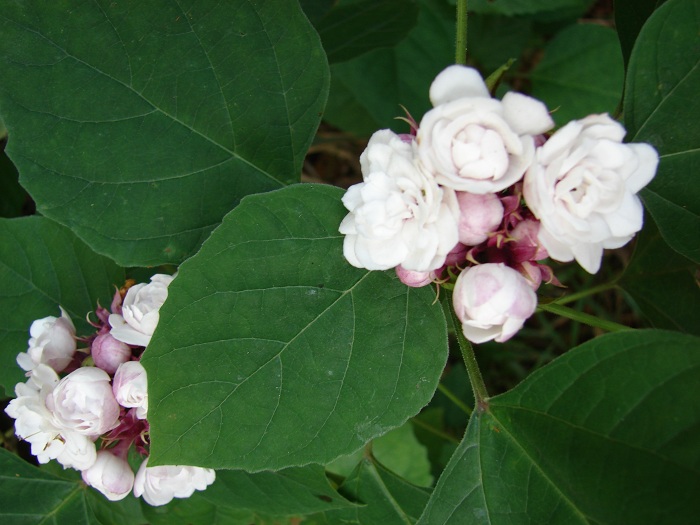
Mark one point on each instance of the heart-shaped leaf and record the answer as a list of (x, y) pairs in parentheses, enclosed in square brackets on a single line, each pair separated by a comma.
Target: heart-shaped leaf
[(272, 351), (139, 125), (605, 434), (43, 265), (661, 108)]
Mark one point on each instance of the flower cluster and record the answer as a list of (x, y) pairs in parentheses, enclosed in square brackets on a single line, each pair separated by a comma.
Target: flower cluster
[(102, 396), (481, 189)]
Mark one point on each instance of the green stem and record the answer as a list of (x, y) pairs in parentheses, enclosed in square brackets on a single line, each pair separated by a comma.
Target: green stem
[(461, 45), (478, 386), (433, 430), (453, 397), (581, 317), (585, 293)]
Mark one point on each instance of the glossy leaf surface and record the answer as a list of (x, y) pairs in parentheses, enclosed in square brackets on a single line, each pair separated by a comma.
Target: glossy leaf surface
[(662, 108), (581, 73), (604, 434), (140, 125), (43, 265), (272, 351)]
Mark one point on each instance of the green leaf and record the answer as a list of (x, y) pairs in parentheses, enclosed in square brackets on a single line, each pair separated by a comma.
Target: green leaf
[(662, 283), (368, 91), (581, 73), (492, 40), (523, 7), (315, 10), (399, 451), (272, 351), (662, 108), (29, 496), (630, 16), (124, 512), (298, 490), (43, 265), (196, 510), (607, 433), (350, 30), (387, 498), (139, 125)]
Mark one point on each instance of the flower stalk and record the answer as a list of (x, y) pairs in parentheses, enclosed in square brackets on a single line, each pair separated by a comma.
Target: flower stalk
[(581, 317), (477, 381), (461, 43)]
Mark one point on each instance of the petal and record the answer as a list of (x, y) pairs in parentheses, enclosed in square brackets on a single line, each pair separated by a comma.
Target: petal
[(526, 115), (648, 161), (125, 333), (457, 82)]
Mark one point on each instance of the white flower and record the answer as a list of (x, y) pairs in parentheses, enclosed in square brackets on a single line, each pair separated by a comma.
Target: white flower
[(492, 301), (472, 142), (159, 485), (479, 216), (83, 402), (34, 423), (398, 215), (583, 188), (140, 311), (130, 387), (52, 343), (111, 475)]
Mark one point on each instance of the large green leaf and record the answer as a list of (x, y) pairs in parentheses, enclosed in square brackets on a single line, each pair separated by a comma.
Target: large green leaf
[(663, 283), (43, 265), (605, 434), (368, 91), (350, 30), (581, 73), (292, 491), (29, 496), (272, 351), (523, 7), (630, 16), (662, 108), (141, 124), (385, 498)]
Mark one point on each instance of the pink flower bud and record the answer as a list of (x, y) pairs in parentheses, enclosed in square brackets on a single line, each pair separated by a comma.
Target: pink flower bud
[(414, 279), (111, 475), (479, 216), (524, 243), (130, 387), (492, 301), (108, 353)]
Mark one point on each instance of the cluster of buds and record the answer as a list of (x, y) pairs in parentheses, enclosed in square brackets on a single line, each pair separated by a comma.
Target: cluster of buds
[(481, 193), (91, 417)]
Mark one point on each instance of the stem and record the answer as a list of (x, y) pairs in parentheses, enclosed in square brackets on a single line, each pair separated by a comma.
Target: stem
[(585, 293), (433, 430), (452, 397), (478, 386), (584, 318), (461, 45)]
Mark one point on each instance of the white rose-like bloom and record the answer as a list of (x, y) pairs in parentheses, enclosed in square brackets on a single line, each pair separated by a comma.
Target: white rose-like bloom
[(34, 423), (52, 343), (83, 402), (492, 301), (159, 485), (472, 142), (398, 215), (111, 475), (140, 311), (582, 187), (130, 387)]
